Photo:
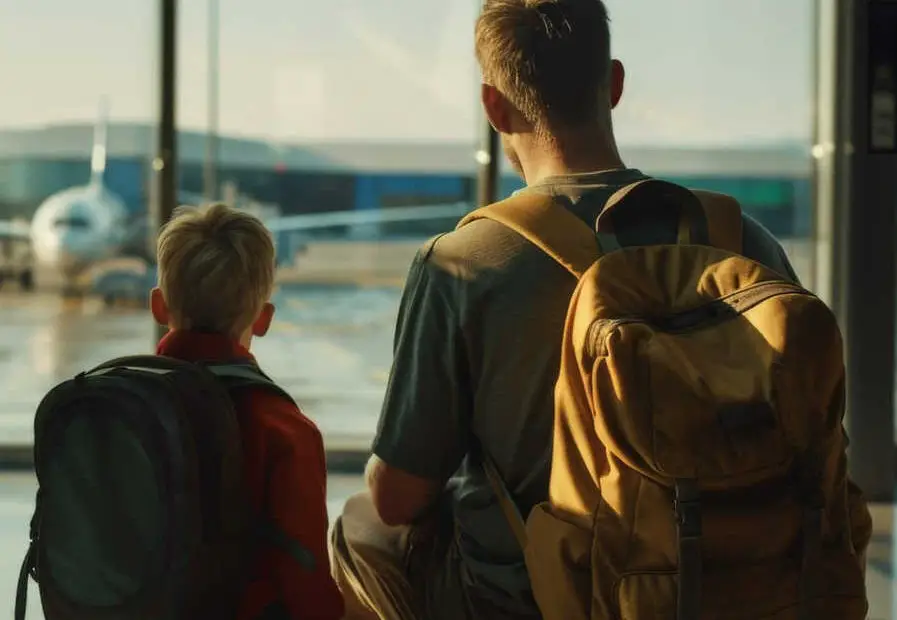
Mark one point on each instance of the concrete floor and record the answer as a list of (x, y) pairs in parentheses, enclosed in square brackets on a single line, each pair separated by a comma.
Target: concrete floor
[(17, 501)]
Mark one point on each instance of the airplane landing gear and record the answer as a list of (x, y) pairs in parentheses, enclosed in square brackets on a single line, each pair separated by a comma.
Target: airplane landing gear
[(70, 292), (26, 280)]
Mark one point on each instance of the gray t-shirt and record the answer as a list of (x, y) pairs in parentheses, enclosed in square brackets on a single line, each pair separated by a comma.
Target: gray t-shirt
[(477, 351)]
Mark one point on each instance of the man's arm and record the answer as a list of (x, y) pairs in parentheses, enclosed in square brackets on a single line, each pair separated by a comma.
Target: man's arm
[(760, 245), (399, 497), (425, 422)]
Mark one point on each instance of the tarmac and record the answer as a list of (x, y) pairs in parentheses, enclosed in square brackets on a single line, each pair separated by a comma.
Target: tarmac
[(330, 347)]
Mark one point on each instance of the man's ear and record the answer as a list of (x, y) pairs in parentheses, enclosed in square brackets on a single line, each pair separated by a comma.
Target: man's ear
[(617, 81), (497, 109)]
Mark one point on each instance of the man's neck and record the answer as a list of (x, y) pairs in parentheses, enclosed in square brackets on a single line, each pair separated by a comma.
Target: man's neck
[(575, 154)]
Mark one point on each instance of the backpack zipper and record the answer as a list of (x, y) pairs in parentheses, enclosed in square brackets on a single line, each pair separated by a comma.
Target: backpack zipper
[(712, 313)]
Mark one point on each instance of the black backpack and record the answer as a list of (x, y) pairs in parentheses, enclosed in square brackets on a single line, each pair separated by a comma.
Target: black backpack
[(142, 511)]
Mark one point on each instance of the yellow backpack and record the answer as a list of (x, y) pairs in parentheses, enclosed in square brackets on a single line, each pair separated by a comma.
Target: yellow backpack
[(699, 465)]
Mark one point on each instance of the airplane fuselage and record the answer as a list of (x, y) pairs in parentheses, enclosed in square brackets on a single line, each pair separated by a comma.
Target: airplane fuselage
[(78, 227)]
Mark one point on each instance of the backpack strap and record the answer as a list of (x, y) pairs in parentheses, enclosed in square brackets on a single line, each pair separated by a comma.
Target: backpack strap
[(508, 507), (724, 220), (239, 376), (706, 218), (27, 570), (655, 194), (808, 470), (689, 532), (548, 225)]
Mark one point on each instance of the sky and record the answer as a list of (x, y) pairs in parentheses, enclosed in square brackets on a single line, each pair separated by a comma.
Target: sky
[(699, 72)]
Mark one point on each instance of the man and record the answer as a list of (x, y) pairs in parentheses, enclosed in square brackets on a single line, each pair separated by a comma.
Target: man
[(479, 332)]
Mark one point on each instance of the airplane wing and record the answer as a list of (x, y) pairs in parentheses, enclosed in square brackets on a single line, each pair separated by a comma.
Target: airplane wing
[(332, 219), (14, 230), (354, 217)]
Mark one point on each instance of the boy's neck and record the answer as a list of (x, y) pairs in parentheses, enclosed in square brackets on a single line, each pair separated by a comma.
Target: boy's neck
[(245, 340)]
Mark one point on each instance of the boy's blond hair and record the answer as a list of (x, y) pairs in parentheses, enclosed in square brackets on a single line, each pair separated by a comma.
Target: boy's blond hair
[(216, 268)]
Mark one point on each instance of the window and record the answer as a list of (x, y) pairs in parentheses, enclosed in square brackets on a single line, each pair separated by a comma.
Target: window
[(719, 96), (72, 222), (322, 108), (328, 115), (342, 107)]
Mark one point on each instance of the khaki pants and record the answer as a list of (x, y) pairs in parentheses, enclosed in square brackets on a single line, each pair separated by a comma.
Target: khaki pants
[(396, 573)]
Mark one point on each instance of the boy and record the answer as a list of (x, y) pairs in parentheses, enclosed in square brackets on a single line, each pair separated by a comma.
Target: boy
[(216, 277)]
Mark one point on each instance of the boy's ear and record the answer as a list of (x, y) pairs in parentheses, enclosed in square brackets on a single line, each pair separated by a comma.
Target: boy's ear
[(263, 323), (158, 307)]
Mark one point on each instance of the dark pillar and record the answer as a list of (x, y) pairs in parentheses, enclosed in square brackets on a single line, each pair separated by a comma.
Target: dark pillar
[(211, 163), (860, 227), (167, 157), (488, 158)]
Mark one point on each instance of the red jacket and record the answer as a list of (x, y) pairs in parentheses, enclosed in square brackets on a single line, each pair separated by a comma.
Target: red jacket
[(284, 446)]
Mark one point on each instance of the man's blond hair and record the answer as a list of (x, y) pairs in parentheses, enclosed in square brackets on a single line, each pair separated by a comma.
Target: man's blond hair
[(216, 268), (550, 58)]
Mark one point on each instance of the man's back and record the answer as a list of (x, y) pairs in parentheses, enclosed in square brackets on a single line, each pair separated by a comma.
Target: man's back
[(508, 301)]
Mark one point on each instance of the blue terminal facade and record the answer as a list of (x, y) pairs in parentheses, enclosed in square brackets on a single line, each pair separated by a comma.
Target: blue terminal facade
[(773, 184)]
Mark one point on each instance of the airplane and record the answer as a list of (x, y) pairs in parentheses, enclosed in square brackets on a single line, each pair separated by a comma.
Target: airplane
[(76, 227)]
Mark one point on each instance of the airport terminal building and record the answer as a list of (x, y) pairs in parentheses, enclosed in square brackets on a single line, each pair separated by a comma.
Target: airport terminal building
[(773, 184)]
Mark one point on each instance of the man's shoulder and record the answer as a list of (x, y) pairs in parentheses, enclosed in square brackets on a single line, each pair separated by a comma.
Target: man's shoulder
[(470, 241), (758, 243), (482, 247), (717, 200)]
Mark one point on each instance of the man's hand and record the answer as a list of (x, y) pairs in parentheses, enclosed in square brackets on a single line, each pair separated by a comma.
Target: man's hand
[(399, 497)]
